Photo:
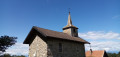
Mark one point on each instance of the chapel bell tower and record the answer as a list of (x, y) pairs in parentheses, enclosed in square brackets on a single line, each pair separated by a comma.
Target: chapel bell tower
[(70, 29)]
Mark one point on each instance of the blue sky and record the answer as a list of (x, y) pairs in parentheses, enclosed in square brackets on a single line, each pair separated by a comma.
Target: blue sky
[(18, 16)]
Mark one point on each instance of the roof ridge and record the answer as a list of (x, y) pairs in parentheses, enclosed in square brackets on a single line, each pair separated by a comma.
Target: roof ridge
[(98, 50), (53, 30), (46, 29)]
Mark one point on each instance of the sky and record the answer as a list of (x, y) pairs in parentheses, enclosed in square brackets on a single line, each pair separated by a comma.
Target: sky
[(98, 21)]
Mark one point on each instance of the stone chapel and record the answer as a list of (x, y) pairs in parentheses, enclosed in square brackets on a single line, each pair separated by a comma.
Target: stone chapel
[(48, 43)]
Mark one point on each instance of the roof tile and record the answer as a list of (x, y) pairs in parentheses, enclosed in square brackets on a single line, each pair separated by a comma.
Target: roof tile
[(97, 53), (60, 35)]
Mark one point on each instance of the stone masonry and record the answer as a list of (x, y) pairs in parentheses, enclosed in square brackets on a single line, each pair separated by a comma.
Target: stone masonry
[(69, 49), (38, 48)]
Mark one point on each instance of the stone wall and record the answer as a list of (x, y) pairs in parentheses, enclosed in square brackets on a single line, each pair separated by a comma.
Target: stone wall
[(69, 49), (38, 47)]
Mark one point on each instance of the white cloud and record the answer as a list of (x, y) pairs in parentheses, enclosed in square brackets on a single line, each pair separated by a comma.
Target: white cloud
[(101, 40), (109, 46), (94, 35), (18, 49)]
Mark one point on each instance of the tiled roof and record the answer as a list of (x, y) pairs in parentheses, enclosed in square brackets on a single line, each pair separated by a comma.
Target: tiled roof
[(58, 35), (97, 53)]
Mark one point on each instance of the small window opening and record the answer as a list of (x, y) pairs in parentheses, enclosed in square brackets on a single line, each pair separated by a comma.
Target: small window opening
[(60, 47), (74, 30)]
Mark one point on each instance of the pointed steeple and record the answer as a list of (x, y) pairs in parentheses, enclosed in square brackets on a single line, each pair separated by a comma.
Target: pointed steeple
[(69, 28), (69, 20), (69, 24)]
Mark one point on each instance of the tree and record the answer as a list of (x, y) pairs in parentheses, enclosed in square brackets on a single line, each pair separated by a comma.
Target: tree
[(119, 52), (6, 41), (8, 55), (113, 54), (118, 55)]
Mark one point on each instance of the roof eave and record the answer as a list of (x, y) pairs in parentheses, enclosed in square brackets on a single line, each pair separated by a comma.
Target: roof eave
[(31, 31), (69, 40), (25, 41)]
